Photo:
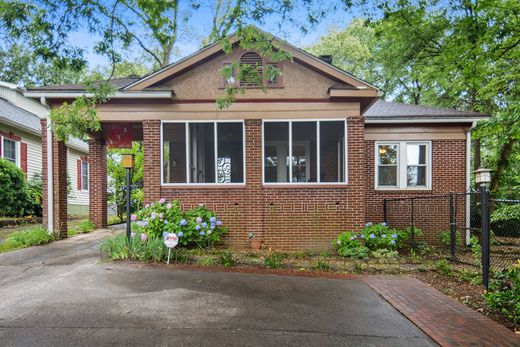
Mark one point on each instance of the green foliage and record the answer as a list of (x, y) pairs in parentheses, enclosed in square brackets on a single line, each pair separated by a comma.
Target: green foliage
[(444, 267), (379, 236), (348, 245), (27, 238), (322, 265), (16, 195), (197, 227), (207, 261), (140, 248), (384, 253), (504, 294), (476, 248), (86, 226), (445, 238), (274, 260), (226, 259), (506, 212)]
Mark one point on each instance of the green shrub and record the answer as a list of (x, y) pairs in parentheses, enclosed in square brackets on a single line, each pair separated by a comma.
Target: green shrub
[(14, 197), (504, 294), (444, 267), (27, 238), (380, 236), (445, 238), (348, 245), (34, 192), (86, 226), (384, 253), (207, 261), (197, 227), (226, 259), (274, 261), (322, 265)]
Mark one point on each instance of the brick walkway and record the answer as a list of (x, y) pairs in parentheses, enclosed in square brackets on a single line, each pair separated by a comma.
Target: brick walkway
[(446, 321)]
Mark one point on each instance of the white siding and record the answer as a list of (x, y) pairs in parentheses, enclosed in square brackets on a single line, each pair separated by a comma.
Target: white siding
[(34, 151), (77, 197)]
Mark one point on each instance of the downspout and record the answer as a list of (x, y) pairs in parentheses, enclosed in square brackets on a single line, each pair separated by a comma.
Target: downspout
[(50, 175), (468, 181)]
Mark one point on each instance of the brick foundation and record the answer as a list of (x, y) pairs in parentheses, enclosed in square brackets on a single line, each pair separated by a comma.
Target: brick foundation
[(98, 182)]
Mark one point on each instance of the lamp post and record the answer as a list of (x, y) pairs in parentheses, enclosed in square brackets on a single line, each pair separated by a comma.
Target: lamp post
[(128, 163), (483, 178)]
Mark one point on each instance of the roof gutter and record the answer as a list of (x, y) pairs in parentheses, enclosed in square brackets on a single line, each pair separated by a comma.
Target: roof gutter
[(168, 94), (422, 120)]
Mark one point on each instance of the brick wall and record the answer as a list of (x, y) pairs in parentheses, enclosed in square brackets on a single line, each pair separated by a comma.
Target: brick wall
[(98, 182), (431, 215), (286, 218)]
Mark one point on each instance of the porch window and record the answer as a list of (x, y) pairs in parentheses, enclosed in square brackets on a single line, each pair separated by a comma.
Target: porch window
[(84, 175), (403, 165), (203, 152), (304, 151)]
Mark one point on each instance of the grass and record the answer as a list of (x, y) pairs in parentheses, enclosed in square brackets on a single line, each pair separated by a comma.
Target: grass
[(82, 227), (22, 239)]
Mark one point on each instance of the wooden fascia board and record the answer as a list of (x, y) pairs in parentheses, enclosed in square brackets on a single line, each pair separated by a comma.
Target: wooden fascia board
[(339, 93)]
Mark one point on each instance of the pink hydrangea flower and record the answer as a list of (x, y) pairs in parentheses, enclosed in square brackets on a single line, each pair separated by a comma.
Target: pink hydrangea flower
[(133, 217), (162, 201), (169, 205), (144, 237)]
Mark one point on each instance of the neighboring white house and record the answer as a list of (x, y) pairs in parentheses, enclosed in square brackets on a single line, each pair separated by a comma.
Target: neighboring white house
[(20, 142)]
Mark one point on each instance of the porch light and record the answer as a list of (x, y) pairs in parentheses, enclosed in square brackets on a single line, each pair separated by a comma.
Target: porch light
[(482, 176), (127, 161)]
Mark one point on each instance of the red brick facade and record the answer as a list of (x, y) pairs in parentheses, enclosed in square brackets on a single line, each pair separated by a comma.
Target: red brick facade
[(98, 182), (431, 215)]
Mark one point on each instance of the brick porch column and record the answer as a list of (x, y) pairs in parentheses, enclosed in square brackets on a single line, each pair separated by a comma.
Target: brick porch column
[(255, 201), (97, 182), (59, 171), (356, 208), (152, 160)]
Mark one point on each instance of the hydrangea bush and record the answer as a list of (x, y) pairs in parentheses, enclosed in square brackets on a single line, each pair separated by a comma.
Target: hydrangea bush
[(196, 227), (373, 237)]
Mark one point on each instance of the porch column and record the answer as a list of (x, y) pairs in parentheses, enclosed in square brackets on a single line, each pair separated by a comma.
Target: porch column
[(356, 210), (59, 184), (152, 160), (255, 203), (97, 182)]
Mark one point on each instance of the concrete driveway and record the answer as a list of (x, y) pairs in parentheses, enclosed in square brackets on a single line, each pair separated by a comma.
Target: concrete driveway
[(62, 294)]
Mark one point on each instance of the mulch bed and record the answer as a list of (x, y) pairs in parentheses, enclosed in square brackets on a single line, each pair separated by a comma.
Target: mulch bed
[(15, 221), (464, 292)]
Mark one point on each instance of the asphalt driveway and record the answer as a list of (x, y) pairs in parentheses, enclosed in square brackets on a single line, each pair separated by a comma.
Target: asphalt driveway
[(62, 294)]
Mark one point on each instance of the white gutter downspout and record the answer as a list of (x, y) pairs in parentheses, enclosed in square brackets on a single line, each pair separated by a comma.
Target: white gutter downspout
[(50, 175), (468, 181)]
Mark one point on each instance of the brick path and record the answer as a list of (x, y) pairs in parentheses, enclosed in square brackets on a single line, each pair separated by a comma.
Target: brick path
[(446, 321)]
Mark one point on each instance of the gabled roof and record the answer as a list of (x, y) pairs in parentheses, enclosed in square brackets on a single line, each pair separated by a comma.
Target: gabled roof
[(19, 118), (78, 87), (385, 111), (213, 49)]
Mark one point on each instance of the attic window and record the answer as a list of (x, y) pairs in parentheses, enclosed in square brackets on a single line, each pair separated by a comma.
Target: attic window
[(254, 70)]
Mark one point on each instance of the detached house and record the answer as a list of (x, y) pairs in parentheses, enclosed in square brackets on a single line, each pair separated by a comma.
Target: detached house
[(313, 155), (21, 143)]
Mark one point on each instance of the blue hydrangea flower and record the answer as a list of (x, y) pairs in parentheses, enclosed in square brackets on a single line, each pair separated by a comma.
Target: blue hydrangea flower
[(372, 236), (352, 238), (201, 233), (164, 233), (394, 235), (219, 222), (392, 242), (152, 216), (198, 220), (204, 225), (212, 226), (368, 224), (213, 219), (165, 222), (383, 224), (145, 222), (180, 234), (197, 227), (338, 242), (362, 236), (183, 222), (384, 236)]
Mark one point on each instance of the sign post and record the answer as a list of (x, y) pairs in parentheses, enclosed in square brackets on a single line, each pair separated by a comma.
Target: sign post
[(170, 240)]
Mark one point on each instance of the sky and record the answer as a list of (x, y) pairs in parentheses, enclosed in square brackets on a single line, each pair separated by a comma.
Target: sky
[(198, 26)]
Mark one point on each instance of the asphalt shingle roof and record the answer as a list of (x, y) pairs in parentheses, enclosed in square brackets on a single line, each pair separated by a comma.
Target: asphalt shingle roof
[(390, 110), (18, 117), (116, 82)]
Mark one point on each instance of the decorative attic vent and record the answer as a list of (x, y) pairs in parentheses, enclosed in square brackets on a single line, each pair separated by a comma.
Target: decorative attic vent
[(253, 77)]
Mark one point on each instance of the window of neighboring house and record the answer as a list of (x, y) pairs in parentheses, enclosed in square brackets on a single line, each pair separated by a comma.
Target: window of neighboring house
[(304, 151), (9, 150), (403, 165), (84, 175), (203, 152)]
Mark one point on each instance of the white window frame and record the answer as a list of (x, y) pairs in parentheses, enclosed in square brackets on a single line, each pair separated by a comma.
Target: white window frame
[(88, 176), (402, 165), (17, 150), (187, 133), (290, 142)]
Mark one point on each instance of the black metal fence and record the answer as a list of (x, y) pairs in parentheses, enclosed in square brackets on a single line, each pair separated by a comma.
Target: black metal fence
[(469, 227)]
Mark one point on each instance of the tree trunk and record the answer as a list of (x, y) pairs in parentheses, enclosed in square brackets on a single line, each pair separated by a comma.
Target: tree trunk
[(503, 161)]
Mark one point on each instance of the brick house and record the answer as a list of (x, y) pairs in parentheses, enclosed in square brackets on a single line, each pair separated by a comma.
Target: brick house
[(311, 155)]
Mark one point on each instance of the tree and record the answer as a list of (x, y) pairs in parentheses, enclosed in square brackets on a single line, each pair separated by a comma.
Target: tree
[(117, 178)]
